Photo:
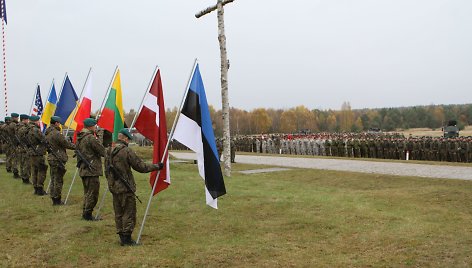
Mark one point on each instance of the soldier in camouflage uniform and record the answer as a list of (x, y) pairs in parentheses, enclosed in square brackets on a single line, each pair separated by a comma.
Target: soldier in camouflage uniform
[(57, 158), (11, 130), (349, 148), (38, 162), (6, 143), (469, 150), (2, 138), (401, 149), (119, 161), (341, 147), (24, 153), (452, 149), (357, 148), (463, 154), (264, 146), (92, 149), (219, 147), (334, 147)]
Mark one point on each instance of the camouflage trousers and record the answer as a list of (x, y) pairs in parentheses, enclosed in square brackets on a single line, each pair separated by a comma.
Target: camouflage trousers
[(7, 157), (12, 160), (38, 170), (25, 166), (57, 179), (91, 192), (124, 205)]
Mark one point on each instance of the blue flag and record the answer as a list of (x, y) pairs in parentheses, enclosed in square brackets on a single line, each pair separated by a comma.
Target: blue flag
[(3, 14), (194, 129), (67, 101)]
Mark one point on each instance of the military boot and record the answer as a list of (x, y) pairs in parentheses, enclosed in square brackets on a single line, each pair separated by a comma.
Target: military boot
[(41, 191), (56, 201), (15, 175), (128, 241), (122, 239), (36, 191), (87, 216), (26, 181)]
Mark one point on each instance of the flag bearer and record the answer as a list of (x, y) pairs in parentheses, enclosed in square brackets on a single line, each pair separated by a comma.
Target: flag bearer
[(57, 157), (12, 129), (24, 152), (38, 161), (119, 161), (90, 146)]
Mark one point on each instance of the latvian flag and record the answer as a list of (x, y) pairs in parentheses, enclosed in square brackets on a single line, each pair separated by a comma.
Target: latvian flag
[(151, 123), (194, 130)]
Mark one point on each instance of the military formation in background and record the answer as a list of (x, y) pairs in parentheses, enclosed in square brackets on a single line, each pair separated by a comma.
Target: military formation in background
[(360, 145), (26, 146)]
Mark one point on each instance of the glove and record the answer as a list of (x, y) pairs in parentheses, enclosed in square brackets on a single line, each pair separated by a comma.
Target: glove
[(158, 166)]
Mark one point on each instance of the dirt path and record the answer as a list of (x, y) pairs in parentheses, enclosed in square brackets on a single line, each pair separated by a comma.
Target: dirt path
[(401, 169)]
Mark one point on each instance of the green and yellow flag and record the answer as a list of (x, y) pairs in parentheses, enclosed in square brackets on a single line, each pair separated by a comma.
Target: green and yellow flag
[(112, 116)]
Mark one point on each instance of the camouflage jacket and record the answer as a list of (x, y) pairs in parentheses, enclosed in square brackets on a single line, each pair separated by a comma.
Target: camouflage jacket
[(92, 150), (22, 133), (121, 159), (57, 144), (10, 131), (36, 140)]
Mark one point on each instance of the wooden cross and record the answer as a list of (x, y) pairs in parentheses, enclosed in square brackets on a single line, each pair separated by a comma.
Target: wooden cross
[(224, 80)]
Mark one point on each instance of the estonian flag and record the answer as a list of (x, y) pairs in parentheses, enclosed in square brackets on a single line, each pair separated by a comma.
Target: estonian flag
[(194, 130)]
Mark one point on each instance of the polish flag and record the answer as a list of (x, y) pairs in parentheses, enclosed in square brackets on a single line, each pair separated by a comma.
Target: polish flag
[(151, 123), (85, 107)]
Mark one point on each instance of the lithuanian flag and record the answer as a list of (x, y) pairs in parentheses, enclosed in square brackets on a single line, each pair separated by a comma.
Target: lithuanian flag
[(112, 116)]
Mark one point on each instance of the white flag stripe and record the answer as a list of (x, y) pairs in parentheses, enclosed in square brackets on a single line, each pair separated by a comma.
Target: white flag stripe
[(189, 133), (150, 102), (210, 201), (88, 88)]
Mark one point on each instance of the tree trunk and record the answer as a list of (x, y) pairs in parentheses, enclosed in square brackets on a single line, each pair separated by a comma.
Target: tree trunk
[(224, 91)]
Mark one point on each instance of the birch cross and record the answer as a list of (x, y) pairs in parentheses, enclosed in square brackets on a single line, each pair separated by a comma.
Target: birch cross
[(224, 80)]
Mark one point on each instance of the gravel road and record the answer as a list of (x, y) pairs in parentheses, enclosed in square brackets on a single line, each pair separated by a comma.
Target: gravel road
[(390, 168)]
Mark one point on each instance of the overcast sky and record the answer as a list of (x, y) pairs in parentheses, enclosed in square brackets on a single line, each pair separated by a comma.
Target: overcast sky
[(317, 53)]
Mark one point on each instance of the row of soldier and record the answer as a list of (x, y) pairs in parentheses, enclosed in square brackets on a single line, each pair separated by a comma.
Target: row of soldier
[(361, 145), (26, 148)]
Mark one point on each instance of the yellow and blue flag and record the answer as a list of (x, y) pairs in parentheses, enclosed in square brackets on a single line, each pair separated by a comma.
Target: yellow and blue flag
[(50, 107)]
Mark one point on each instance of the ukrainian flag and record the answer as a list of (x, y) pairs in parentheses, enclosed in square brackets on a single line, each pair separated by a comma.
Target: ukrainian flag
[(50, 106)]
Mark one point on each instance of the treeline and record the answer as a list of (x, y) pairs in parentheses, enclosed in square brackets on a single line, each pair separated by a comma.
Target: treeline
[(302, 119)]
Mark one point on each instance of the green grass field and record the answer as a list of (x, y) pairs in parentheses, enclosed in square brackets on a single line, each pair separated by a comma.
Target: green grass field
[(298, 218)]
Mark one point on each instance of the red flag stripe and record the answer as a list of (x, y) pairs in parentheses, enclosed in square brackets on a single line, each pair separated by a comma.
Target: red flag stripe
[(151, 123)]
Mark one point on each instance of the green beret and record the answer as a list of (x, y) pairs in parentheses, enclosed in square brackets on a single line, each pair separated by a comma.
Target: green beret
[(24, 116), (90, 122), (55, 119), (125, 132), (34, 118), (14, 115), (7, 118)]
